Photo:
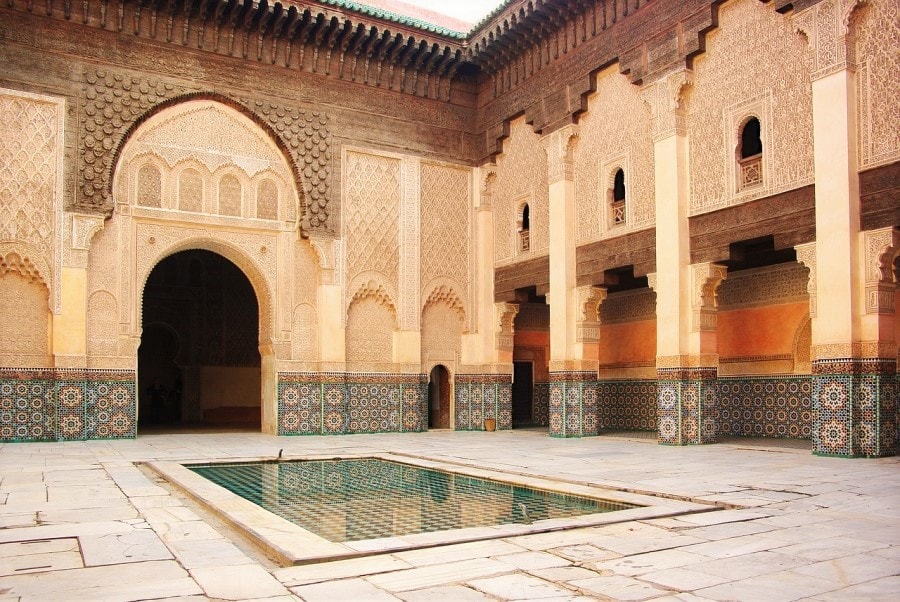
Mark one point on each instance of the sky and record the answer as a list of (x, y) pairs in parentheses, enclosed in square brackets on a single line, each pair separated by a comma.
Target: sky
[(467, 10)]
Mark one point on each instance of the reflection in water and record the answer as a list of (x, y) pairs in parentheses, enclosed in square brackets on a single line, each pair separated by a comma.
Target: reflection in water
[(351, 500)]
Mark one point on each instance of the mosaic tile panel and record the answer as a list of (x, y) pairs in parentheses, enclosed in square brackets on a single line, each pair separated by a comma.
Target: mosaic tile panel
[(854, 407), (67, 405), (540, 404), (687, 409), (27, 405), (627, 405), (110, 410), (340, 403), (574, 405), (70, 404), (480, 396), (766, 407)]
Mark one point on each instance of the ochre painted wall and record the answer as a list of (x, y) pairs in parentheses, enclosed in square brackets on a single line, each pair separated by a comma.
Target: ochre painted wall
[(628, 343)]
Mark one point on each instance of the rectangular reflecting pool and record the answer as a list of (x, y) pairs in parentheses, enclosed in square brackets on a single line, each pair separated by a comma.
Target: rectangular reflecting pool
[(323, 508), (347, 500)]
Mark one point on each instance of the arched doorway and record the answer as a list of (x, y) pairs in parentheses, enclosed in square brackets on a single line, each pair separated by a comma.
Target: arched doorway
[(439, 398), (199, 362)]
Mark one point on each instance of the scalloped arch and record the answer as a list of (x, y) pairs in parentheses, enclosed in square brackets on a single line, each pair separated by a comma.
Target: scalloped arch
[(300, 185)]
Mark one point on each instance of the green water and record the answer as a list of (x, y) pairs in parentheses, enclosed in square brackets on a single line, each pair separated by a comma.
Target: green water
[(351, 500)]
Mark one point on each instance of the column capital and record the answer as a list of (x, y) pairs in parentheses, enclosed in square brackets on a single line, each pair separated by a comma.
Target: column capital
[(560, 148), (826, 27), (705, 281), (506, 316), (881, 248), (806, 255), (588, 300), (665, 100)]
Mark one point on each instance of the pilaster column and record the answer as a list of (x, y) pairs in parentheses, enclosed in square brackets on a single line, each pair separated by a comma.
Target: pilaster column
[(330, 305), (687, 360), (70, 323), (573, 377), (854, 382)]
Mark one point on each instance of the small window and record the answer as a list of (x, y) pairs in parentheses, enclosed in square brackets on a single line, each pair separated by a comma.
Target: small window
[(618, 198), (750, 152), (524, 229), (751, 144)]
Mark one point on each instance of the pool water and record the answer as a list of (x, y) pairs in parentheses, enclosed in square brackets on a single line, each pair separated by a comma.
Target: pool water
[(368, 498)]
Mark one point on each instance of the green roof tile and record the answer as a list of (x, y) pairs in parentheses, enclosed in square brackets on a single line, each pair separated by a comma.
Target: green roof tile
[(380, 13)]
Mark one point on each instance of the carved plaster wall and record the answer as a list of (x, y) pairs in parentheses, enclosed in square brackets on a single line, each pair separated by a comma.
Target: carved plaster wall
[(371, 222), (615, 134), (371, 322), (754, 63), (24, 330), (521, 177), (876, 26), (446, 239), (201, 175), (441, 335), (31, 183)]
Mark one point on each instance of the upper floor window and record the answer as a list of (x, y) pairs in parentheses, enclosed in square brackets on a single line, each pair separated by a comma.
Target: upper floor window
[(750, 155), (617, 201), (524, 228)]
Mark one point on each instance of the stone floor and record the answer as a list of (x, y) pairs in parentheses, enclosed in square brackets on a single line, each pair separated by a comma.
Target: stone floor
[(79, 521)]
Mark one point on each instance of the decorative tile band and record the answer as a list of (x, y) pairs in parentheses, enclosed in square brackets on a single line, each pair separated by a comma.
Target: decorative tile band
[(344, 403), (854, 408), (779, 406), (687, 407), (627, 405), (540, 404), (67, 404), (482, 396)]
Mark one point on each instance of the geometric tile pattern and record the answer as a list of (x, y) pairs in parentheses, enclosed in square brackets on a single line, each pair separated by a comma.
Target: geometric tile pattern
[(779, 406), (481, 396), (334, 403), (573, 404), (627, 405), (540, 404), (67, 404), (27, 411), (854, 407), (687, 405)]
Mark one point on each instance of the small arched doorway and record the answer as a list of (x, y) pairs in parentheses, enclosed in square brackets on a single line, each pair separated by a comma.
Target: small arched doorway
[(199, 362), (439, 398)]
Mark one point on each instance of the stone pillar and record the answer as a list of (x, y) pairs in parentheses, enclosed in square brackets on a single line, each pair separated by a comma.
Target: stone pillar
[(330, 304), (686, 391), (70, 323), (853, 357), (573, 380)]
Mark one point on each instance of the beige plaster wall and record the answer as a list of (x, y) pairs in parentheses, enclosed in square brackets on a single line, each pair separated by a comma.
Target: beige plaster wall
[(876, 27), (521, 177), (614, 133), (755, 64), (370, 334), (446, 209), (25, 325), (763, 321)]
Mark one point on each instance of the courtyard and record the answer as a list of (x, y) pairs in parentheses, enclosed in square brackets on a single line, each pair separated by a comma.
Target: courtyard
[(89, 521)]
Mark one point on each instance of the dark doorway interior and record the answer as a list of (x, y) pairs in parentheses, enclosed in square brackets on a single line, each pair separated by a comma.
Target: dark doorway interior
[(199, 362), (439, 398), (522, 393)]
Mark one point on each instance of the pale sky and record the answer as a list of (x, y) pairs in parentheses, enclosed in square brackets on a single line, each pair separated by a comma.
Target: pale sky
[(467, 10)]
